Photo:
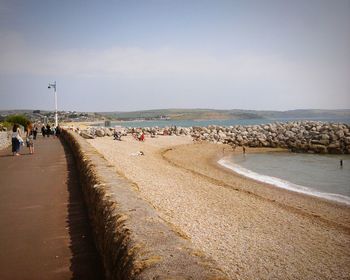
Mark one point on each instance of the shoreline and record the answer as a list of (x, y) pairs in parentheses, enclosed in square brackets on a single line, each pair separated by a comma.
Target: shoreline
[(281, 183), (232, 219), (317, 207)]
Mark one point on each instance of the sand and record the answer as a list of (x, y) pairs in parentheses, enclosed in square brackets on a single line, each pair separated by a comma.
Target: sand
[(252, 230)]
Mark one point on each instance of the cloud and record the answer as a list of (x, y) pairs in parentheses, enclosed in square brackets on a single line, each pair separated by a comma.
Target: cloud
[(261, 74), (139, 63)]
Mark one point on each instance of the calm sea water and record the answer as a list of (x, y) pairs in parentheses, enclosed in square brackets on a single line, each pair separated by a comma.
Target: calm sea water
[(319, 175), (188, 123)]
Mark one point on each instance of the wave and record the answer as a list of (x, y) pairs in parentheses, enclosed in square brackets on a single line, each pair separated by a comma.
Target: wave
[(283, 184)]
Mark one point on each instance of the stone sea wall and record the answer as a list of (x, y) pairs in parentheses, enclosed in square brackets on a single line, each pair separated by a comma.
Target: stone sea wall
[(5, 140), (301, 136), (133, 241)]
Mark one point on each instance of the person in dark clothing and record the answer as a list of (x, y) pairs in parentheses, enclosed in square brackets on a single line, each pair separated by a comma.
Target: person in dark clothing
[(58, 131), (48, 130), (35, 132), (43, 131)]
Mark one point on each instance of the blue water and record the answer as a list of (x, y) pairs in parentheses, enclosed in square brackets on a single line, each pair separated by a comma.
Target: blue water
[(203, 123), (314, 174)]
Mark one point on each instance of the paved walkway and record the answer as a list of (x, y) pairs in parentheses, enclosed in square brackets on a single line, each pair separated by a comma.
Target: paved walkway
[(44, 230)]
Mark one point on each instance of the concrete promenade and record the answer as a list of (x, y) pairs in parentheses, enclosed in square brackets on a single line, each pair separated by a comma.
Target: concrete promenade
[(44, 230)]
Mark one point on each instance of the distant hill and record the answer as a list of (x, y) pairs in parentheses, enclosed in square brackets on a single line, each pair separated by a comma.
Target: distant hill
[(206, 114), (195, 114), (181, 114)]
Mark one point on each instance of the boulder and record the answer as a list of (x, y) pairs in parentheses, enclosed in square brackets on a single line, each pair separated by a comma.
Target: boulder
[(100, 132), (222, 135), (319, 149), (108, 132), (334, 148), (86, 135), (340, 134)]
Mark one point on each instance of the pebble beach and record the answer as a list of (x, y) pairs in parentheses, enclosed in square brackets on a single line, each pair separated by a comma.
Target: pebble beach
[(250, 229)]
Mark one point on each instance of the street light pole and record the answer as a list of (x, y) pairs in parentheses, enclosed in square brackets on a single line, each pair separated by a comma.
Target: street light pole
[(54, 86)]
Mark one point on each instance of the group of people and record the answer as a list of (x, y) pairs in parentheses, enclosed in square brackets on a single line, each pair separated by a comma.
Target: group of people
[(138, 135), (48, 130), (17, 140), (30, 133)]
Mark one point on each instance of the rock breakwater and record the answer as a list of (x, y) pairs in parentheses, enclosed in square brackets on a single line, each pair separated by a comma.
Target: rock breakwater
[(297, 136), (316, 137)]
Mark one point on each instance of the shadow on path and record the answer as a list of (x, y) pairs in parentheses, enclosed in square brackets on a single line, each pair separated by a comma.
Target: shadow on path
[(85, 262)]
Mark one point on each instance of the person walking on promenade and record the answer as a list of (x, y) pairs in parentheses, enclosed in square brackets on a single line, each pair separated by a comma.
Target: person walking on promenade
[(48, 130), (16, 140), (30, 138), (35, 132), (58, 131), (43, 131), (53, 131)]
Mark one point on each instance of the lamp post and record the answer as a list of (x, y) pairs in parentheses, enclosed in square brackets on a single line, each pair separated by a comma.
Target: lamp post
[(53, 85)]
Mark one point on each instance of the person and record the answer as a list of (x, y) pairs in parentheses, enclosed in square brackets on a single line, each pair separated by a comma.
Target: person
[(16, 140), (53, 131), (58, 130), (142, 137), (30, 138), (35, 132), (117, 136), (341, 163), (48, 130), (243, 150), (43, 131)]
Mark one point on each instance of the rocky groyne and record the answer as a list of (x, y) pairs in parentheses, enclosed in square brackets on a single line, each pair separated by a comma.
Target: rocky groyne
[(316, 137), (299, 136)]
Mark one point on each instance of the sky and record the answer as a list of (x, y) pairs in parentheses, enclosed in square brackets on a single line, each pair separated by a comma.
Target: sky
[(126, 55)]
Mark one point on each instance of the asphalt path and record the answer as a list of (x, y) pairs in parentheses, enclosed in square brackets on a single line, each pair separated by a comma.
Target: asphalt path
[(44, 229)]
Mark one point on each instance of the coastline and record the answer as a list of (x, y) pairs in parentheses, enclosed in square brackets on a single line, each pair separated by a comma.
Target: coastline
[(209, 167), (233, 219), (281, 183)]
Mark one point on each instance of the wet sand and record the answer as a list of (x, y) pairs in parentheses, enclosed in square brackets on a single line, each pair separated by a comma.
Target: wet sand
[(252, 230)]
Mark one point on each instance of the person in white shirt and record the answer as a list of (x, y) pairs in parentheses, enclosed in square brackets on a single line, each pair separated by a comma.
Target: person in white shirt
[(16, 140)]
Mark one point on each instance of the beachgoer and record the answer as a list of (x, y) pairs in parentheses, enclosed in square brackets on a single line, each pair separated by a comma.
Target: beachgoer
[(140, 153), (341, 163), (142, 137), (30, 138), (243, 150), (16, 140), (117, 135)]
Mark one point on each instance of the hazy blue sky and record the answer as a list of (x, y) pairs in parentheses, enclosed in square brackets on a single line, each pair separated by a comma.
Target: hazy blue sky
[(121, 55)]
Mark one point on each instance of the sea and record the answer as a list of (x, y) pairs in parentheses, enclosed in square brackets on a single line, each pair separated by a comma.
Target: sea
[(311, 174), (204, 123)]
